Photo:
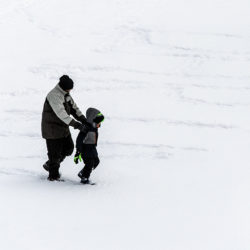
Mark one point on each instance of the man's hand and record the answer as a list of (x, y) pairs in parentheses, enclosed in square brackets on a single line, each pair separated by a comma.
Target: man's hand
[(82, 119), (83, 128), (77, 125)]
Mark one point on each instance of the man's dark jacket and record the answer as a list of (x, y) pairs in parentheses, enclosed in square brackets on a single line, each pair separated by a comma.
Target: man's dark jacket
[(58, 107)]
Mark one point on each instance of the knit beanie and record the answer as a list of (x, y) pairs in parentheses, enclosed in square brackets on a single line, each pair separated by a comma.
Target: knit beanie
[(66, 83), (99, 118)]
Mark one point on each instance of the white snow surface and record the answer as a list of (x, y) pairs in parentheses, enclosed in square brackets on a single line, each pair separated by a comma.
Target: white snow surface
[(173, 80)]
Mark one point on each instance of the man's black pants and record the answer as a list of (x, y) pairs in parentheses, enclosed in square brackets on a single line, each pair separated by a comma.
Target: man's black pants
[(58, 149)]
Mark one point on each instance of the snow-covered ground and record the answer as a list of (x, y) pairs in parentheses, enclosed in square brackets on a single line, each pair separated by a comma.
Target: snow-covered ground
[(173, 79)]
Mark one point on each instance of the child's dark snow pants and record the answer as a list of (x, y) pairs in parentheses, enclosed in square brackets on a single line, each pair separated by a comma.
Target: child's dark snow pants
[(90, 164)]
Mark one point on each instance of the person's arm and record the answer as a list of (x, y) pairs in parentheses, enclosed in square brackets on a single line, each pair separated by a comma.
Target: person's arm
[(79, 141), (76, 112), (79, 144), (56, 103)]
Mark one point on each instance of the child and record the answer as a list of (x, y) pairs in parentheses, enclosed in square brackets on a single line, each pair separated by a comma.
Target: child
[(86, 144)]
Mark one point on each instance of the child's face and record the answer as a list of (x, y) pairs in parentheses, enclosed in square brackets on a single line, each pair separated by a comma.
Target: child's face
[(98, 125)]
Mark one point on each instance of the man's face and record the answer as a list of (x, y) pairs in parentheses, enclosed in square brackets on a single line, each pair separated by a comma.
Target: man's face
[(68, 90)]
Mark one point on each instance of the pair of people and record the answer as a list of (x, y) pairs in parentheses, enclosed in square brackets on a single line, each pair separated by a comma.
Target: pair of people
[(56, 119)]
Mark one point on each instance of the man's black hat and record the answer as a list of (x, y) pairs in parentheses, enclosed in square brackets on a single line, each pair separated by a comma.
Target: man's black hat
[(66, 83)]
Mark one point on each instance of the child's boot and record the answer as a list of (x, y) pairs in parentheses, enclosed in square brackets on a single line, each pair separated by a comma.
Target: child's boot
[(80, 174), (85, 180)]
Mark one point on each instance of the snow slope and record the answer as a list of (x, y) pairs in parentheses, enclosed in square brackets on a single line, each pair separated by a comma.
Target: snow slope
[(172, 78)]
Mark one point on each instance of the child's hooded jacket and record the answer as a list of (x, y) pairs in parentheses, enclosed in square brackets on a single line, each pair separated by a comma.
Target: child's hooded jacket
[(86, 143)]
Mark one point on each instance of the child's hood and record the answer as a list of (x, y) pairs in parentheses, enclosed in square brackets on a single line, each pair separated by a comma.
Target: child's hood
[(91, 114)]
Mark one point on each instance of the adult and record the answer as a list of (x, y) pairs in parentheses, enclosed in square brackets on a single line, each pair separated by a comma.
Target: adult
[(58, 107)]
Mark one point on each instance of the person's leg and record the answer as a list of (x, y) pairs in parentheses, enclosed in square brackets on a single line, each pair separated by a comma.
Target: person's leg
[(54, 147), (86, 171), (67, 147), (96, 162)]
